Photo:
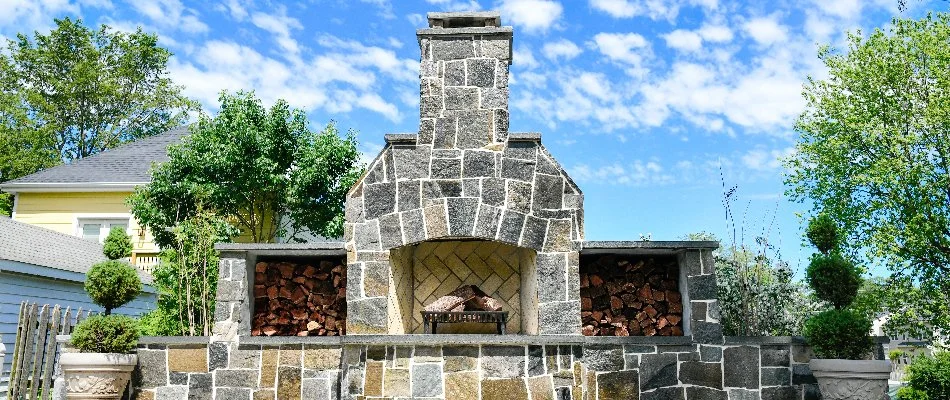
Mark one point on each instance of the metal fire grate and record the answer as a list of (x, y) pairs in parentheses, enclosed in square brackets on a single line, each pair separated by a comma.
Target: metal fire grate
[(434, 318)]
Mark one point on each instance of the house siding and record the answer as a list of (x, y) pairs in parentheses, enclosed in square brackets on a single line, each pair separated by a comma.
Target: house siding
[(59, 211), (15, 288)]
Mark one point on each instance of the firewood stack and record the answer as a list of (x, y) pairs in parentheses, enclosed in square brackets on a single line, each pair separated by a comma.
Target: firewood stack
[(299, 299), (465, 298), (630, 296)]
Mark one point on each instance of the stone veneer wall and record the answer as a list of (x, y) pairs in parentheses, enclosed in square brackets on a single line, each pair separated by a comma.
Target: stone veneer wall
[(676, 368)]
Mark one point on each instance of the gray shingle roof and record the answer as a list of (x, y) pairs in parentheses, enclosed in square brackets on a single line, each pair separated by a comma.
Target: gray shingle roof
[(128, 163), (34, 245)]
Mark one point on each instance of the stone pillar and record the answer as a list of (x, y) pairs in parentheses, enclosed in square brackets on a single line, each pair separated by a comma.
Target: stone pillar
[(464, 80), (232, 313), (698, 272)]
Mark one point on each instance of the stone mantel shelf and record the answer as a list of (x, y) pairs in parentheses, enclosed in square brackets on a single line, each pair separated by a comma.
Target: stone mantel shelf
[(589, 246), (456, 340)]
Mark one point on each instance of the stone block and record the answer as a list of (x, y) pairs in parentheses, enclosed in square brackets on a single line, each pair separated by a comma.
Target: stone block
[(461, 213), (776, 356), (373, 379), (409, 195), (472, 187), (436, 224), (396, 382), (504, 389), (780, 393), (738, 369), (776, 376), (426, 131), (701, 373), (534, 233), (455, 73), (390, 231), (288, 383), (427, 380), (495, 98), (549, 191), (487, 224), (743, 394), (461, 98), (430, 106), (702, 287), (480, 72), (217, 355), (412, 162), (667, 393), (444, 133), (178, 378), (461, 385), (322, 358), (233, 393), (366, 316), (811, 392), (638, 349), (535, 361), (801, 374), (558, 237), (188, 359), (707, 332), (494, 48), (603, 357), (559, 318), (474, 129), (541, 388), (702, 393), (518, 196), (427, 354), (446, 168), (441, 188), (522, 150), (230, 291), (268, 367), (710, 353), (236, 378), (317, 389), (690, 262), (512, 223), (379, 199), (152, 369), (354, 281), (503, 361), (413, 226), (522, 170), (477, 163), (493, 191), (460, 358), (657, 371), (500, 123), (171, 393), (366, 236), (199, 386), (552, 285), (452, 49), (291, 355)]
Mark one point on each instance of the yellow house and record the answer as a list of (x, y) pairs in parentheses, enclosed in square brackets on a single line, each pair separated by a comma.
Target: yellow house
[(87, 197)]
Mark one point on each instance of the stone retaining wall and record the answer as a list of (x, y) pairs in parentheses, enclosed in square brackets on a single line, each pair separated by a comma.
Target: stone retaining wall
[(388, 367)]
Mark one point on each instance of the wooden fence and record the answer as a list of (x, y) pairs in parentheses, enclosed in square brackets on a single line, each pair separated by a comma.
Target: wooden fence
[(31, 374)]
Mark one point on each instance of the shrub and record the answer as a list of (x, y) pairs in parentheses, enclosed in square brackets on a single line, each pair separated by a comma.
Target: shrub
[(823, 233), (105, 334), (117, 245), (111, 284), (839, 334), (834, 279), (928, 378)]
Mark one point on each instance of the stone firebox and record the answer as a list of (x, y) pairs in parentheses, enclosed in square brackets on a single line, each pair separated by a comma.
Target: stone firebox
[(464, 178)]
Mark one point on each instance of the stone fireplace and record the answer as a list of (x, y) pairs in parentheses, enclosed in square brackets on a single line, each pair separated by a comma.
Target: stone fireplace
[(464, 185)]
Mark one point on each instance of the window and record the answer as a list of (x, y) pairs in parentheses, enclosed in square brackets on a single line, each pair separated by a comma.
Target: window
[(97, 229)]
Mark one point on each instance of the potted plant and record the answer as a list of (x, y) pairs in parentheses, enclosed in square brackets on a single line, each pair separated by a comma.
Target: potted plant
[(840, 337), (103, 366)]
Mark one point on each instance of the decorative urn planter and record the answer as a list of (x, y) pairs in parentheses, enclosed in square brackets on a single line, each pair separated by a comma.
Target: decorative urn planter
[(96, 375), (851, 379)]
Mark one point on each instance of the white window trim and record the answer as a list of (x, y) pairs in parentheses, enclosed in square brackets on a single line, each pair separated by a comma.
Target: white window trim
[(77, 228)]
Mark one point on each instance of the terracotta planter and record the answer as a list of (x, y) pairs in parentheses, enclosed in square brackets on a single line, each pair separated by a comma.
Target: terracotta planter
[(851, 379), (96, 375)]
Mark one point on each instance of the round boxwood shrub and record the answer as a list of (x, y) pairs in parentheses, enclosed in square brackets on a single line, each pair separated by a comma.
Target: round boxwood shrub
[(117, 245), (928, 378), (823, 233), (834, 279), (106, 334), (839, 334), (111, 284)]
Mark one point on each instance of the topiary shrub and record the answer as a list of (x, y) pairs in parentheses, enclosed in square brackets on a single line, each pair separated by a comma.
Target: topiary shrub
[(834, 279), (928, 378), (839, 334), (823, 233), (111, 284), (106, 334), (117, 245)]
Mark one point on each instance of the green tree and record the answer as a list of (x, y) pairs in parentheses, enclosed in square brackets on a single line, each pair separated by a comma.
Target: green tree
[(874, 154), (264, 170), (117, 245), (75, 92)]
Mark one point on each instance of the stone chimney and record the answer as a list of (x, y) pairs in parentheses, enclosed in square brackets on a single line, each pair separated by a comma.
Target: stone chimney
[(464, 80)]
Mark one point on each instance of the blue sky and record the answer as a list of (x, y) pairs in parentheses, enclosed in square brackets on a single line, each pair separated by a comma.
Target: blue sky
[(645, 102)]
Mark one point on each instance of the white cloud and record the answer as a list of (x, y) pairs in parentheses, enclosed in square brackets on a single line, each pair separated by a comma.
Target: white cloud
[(654, 9), (236, 9), (636, 173), (532, 15), (562, 48), (417, 20), (684, 40), (170, 14), (523, 57), (766, 30), (766, 160), (716, 33), (627, 48), (37, 15), (279, 25), (456, 5), (385, 8)]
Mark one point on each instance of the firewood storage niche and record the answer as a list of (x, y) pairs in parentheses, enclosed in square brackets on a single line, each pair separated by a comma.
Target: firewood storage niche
[(299, 296)]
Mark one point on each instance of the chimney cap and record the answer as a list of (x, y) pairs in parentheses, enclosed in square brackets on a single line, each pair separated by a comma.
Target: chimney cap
[(472, 19)]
